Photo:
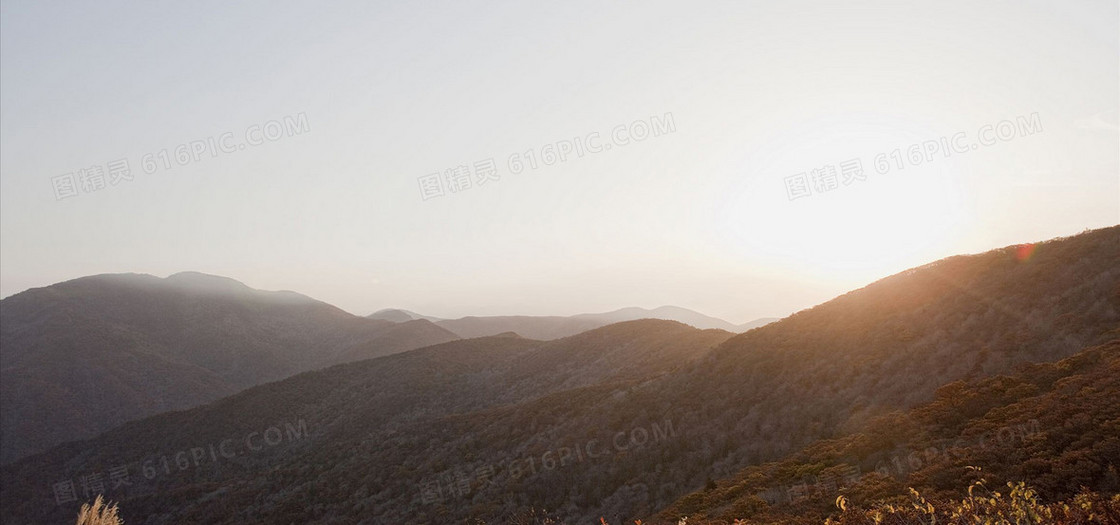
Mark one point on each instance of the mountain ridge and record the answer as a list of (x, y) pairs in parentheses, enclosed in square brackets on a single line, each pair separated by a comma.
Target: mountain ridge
[(557, 326), (85, 355), (385, 428)]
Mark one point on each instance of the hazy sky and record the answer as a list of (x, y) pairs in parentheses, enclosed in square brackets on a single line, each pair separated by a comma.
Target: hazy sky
[(700, 216)]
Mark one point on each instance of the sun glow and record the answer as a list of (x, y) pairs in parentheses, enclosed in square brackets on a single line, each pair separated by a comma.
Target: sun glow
[(852, 234)]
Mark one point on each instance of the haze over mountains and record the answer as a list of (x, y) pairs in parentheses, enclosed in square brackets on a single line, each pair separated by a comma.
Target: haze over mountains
[(83, 356), (487, 428), (554, 327), (544, 263)]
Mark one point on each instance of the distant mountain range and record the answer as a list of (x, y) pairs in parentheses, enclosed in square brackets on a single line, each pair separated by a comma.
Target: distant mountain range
[(555, 327), (646, 418), (83, 356)]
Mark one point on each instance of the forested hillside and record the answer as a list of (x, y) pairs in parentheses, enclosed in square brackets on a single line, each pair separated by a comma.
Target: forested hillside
[(1053, 426), (620, 422), (374, 424), (83, 356)]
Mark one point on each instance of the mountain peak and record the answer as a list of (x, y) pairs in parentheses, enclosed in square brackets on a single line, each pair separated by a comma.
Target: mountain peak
[(204, 282), (400, 315), (665, 312)]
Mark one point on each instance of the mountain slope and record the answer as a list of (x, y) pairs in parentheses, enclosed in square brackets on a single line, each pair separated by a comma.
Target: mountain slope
[(350, 410), (83, 356), (399, 338), (828, 370), (455, 441), (1055, 426), (816, 374)]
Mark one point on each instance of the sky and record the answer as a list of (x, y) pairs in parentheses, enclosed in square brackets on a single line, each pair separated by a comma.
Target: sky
[(743, 159)]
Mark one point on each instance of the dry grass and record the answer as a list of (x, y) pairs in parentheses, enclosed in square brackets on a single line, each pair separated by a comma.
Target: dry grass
[(98, 514)]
